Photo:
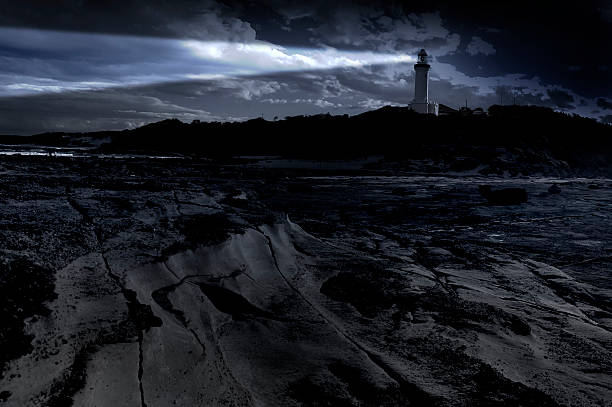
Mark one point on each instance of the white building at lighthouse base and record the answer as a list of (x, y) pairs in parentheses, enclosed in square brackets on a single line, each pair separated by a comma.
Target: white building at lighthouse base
[(425, 107)]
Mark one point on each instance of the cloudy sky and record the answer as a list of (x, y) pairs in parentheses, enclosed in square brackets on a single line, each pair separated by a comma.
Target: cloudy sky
[(81, 65)]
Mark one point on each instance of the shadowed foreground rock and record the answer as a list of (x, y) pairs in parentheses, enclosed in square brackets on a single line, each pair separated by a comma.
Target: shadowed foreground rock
[(131, 281)]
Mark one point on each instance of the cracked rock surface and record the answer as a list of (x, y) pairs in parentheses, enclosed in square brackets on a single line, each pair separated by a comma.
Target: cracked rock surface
[(151, 282)]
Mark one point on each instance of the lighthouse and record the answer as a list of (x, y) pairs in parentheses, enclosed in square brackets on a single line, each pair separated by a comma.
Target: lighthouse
[(421, 102)]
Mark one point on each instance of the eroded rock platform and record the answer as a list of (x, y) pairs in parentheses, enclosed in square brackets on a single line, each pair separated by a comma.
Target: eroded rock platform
[(185, 282)]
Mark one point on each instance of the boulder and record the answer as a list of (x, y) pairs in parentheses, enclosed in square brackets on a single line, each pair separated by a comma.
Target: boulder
[(399, 191), (503, 196)]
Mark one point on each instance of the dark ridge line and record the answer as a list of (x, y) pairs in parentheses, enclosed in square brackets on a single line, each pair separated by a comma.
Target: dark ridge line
[(141, 368), (165, 263), (129, 295), (594, 259), (532, 269), (198, 204), (178, 315), (235, 274), (73, 379), (80, 209), (421, 395), (446, 286), (131, 299), (197, 338), (235, 304), (219, 350), (177, 203)]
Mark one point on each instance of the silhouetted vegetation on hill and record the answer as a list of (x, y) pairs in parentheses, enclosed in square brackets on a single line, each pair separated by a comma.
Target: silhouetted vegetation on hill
[(509, 138)]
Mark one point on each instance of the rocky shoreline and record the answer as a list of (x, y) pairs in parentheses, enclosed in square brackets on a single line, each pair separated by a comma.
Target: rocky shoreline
[(201, 282)]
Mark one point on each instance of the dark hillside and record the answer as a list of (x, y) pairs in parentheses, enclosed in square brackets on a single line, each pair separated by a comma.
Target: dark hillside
[(517, 139)]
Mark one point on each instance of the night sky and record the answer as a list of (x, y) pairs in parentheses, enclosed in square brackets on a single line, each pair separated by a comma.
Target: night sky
[(87, 65)]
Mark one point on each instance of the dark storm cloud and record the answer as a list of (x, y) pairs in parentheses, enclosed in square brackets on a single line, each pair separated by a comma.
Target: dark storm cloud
[(546, 53), (200, 19), (559, 43), (280, 94), (57, 58), (110, 109), (561, 99), (53, 61), (338, 91), (604, 103), (564, 43), (479, 46)]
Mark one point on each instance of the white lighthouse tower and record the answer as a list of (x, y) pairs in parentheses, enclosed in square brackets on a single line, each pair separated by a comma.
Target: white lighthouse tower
[(421, 102)]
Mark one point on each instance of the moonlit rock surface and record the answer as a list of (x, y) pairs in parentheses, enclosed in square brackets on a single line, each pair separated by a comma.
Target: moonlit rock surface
[(201, 283)]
